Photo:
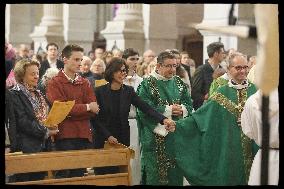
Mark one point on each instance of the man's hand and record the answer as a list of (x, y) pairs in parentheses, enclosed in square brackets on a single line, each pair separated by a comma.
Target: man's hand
[(112, 140), (177, 110), (94, 107), (170, 125), (206, 96), (53, 127), (52, 132)]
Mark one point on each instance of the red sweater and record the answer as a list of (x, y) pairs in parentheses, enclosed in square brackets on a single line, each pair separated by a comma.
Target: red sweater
[(77, 123)]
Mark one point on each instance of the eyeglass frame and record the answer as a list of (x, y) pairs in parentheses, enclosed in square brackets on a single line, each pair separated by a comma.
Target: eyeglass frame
[(123, 70), (169, 66), (240, 68), (133, 59)]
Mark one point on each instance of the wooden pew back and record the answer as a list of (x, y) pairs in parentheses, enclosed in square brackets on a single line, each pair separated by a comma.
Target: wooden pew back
[(60, 160)]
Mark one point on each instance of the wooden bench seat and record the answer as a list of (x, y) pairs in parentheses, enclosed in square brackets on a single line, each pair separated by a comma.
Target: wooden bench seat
[(60, 160)]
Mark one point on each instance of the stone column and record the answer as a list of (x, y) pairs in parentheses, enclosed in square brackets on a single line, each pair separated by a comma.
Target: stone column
[(18, 24), (79, 26), (217, 15), (51, 27), (246, 17), (126, 28), (160, 26)]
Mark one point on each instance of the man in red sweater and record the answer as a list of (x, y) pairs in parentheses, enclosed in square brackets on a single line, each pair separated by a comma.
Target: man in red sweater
[(75, 131)]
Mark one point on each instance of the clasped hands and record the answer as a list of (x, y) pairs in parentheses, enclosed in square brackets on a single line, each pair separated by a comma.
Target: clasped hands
[(170, 125), (177, 110)]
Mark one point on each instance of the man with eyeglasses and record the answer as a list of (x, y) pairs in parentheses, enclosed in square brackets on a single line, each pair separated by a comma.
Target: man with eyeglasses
[(168, 94), (211, 148), (203, 75)]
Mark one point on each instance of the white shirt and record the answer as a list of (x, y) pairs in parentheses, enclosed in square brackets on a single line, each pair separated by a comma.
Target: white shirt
[(133, 81), (251, 122), (52, 64)]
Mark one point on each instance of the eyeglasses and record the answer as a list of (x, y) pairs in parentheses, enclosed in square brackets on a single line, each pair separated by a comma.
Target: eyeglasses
[(240, 68), (170, 65), (123, 70), (132, 59)]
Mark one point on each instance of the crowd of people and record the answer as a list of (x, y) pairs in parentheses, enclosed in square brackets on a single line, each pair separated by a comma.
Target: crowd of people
[(184, 121)]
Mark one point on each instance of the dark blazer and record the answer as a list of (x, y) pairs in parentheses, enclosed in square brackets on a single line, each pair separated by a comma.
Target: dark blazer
[(45, 65), (10, 121), (31, 135), (103, 126), (201, 82)]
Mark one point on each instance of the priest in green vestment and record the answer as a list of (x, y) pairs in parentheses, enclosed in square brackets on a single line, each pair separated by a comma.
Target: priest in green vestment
[(218, 82), (168, 94), (210, 147)]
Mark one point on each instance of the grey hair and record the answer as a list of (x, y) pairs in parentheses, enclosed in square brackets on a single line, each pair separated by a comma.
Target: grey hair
[(49, 74), (234, 55)]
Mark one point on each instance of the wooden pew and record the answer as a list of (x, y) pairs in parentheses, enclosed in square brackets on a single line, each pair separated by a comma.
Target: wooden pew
[(60, 160)]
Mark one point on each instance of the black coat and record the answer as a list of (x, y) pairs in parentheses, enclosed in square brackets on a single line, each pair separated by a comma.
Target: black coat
[(201, 82), (30, 134), (44, 65), (103, 126), (10, 121)]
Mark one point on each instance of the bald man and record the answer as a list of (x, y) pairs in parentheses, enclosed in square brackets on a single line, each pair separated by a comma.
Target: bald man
[(148, 56), (23, 52), (85, 67)]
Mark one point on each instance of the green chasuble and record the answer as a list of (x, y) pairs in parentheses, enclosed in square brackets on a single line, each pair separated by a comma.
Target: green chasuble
[(216, 83), (211, 148), (158, 164)]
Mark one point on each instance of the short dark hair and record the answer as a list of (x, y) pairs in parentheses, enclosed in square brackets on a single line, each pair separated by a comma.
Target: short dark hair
[(129, 52), (67, 51), (165, 55), (51, 44), (114, 65), (214, 47), (175, 51)]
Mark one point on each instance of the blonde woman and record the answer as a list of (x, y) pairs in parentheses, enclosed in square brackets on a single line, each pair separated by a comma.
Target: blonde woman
[(31, 110)]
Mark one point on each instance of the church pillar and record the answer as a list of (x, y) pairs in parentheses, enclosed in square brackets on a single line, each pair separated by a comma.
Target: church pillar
[(126, 28), (217, 15), (246, 17), (79, 25), (160, 26), (18, 24), (51, 27)]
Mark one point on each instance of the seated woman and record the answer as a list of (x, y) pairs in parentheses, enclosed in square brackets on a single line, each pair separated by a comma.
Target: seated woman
[(115, 98), (31, 109)]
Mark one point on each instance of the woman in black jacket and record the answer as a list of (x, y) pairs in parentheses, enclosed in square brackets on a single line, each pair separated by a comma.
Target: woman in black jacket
[(31, 109), (114, 99)]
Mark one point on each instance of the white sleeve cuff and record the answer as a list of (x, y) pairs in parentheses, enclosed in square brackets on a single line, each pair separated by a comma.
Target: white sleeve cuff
[(88, 107), (160, 129), (168, 111), (184, 110)]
